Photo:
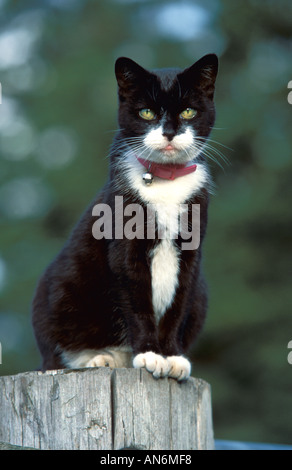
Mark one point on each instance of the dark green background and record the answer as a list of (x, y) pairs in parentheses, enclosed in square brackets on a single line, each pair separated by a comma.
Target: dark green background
[(56, 124)]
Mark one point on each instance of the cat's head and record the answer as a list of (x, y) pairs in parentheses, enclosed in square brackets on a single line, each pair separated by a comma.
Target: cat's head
[(165, 115)]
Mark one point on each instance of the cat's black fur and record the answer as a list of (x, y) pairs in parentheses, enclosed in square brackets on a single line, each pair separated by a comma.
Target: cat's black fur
[(97, 294)]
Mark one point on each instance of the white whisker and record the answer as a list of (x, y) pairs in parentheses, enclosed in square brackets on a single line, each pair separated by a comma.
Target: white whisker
[(219, 143), (217, 152), (210, 151)]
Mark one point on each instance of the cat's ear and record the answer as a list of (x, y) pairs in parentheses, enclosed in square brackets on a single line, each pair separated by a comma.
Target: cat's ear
[(128, 73), (203, 74)]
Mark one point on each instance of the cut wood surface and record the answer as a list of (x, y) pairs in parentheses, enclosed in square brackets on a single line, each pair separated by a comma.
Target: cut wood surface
[(103, 409)]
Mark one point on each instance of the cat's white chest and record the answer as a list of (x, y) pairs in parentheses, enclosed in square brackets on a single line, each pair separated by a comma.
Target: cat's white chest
[(165, 258), (164, 276), (167, 197)]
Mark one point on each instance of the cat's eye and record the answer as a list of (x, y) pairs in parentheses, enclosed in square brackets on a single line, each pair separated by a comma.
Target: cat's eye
[(147, 114), (188, 113)]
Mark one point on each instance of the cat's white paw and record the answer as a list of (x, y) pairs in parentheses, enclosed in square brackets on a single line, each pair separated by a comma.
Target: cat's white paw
[(101, 360), (179, 367), (154, 363)]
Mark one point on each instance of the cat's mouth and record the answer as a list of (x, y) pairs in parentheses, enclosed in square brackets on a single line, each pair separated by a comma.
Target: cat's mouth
[(170, 153), (169, 149)]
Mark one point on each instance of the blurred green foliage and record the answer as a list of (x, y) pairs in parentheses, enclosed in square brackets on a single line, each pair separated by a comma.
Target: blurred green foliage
[(57, 118)]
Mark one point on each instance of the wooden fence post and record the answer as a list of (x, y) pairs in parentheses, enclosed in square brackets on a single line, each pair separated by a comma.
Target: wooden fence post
[(103, 409)]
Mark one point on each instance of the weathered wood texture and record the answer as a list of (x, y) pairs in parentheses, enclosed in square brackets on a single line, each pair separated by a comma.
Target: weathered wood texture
[(103, 409)]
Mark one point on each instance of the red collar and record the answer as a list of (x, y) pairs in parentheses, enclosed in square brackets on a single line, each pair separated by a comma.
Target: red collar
[(167, 172)]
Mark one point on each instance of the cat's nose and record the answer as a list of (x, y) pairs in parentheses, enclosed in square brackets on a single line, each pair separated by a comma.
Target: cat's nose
[(169, 134)]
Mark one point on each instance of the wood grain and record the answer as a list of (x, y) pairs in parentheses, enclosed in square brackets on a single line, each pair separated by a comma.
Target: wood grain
[(101, 409)]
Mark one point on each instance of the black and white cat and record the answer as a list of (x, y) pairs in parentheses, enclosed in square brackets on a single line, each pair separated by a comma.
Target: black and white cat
[(137, 301)]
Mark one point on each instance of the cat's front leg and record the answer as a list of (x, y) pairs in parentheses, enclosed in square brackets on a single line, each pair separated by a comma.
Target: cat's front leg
[(156, 364), (176, 367), (146, 349), (165, 361), (179, 367)]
